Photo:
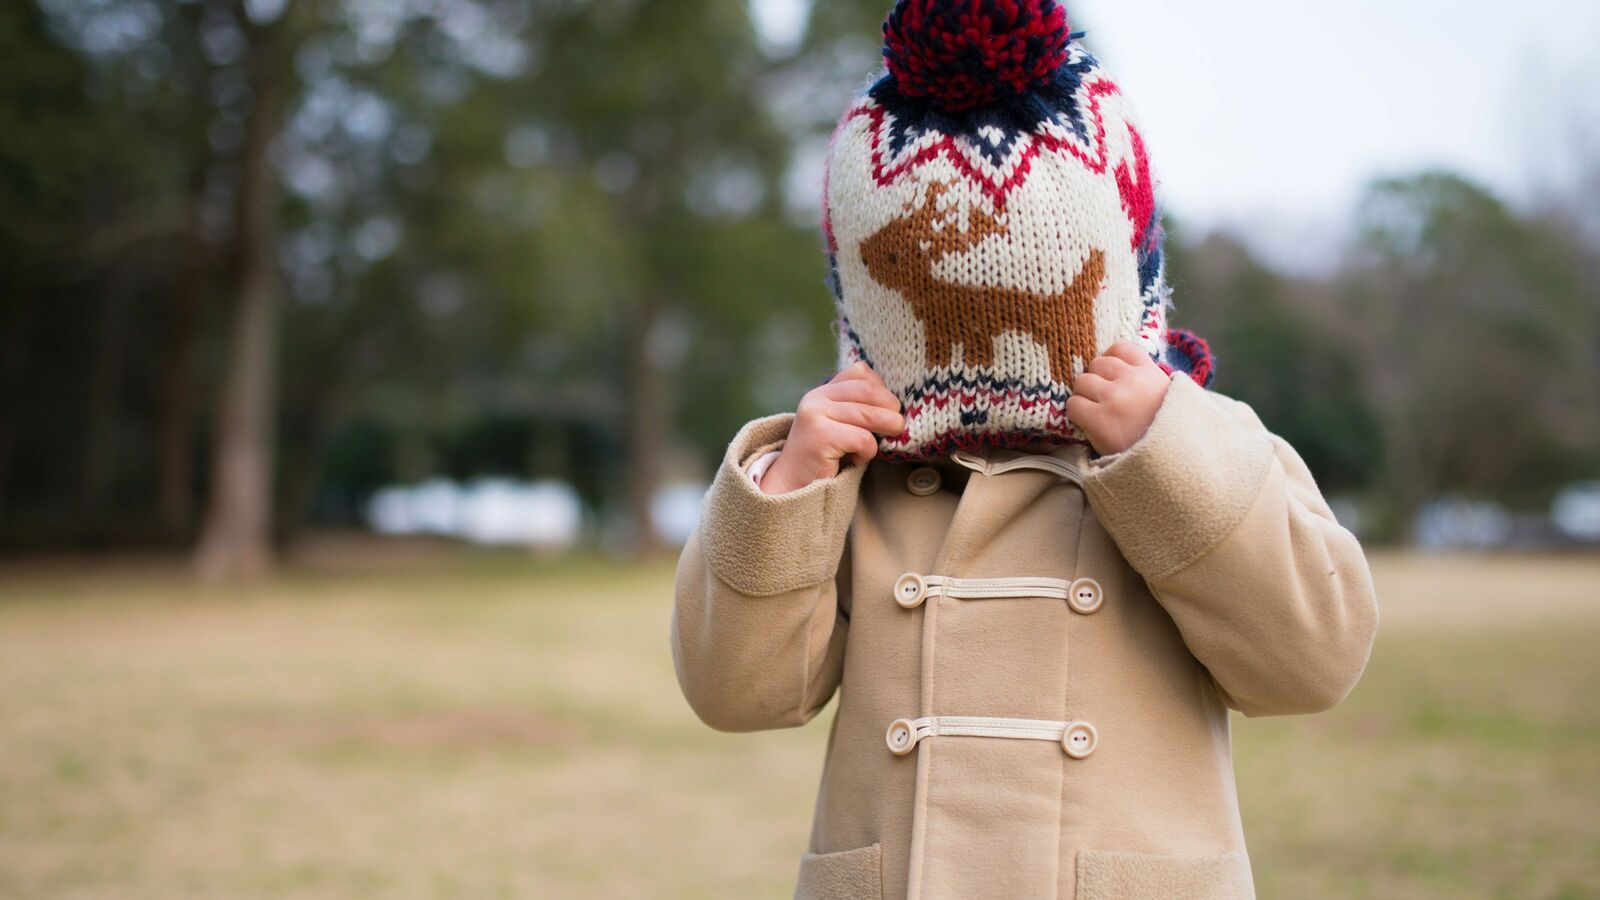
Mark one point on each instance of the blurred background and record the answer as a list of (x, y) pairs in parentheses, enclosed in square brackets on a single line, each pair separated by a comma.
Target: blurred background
[(363, 362)]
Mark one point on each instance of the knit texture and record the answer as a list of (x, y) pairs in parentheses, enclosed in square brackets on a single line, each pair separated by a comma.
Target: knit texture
[(991, 226)]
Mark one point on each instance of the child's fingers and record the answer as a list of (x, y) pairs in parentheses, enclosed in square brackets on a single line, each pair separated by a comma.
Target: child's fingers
[(859, 391), (1130, 353), (858, 444), (1091, 387), (874, 419), (859, 371), (1108, 367), (1081, 410)]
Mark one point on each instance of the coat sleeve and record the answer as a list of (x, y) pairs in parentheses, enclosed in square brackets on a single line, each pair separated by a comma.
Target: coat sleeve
[(758, 633), (1226, 525)]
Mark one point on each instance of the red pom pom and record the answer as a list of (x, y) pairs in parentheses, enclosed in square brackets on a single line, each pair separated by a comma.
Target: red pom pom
[(962, 54)]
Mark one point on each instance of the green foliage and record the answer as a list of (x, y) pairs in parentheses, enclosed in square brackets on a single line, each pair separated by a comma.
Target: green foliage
[(1275, 354), (1474, 328), (491, 212)]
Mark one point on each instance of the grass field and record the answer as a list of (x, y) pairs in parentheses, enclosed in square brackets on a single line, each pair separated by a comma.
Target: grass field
[(487, 727)]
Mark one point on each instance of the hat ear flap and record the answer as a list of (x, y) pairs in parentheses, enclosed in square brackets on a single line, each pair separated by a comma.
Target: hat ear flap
[(1187, 352)]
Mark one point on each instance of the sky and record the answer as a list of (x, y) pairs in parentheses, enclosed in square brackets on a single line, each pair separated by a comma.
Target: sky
[(1267, 117)]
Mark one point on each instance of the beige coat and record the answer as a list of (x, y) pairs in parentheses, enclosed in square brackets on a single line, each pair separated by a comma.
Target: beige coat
[(1041, 709)]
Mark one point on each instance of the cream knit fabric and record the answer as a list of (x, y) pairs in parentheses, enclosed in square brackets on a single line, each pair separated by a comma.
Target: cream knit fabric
[(982, 256)]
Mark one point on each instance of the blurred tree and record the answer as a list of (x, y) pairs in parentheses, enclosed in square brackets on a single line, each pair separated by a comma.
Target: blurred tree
[(78, 207), (1278, 350), (665, 238), (236, 539), (194, 270), (45, 117), (1474, 334), (579, 240)]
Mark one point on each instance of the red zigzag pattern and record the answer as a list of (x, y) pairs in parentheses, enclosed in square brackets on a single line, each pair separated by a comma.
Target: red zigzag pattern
[(1138, 197)]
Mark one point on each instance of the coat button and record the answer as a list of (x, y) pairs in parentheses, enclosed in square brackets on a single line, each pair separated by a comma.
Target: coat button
[(924, 481), (899, 737), (909, 589), (1085, 596), (1079, 739)]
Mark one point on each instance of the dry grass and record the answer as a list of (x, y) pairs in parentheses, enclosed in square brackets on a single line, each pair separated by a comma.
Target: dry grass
[(488, 729)]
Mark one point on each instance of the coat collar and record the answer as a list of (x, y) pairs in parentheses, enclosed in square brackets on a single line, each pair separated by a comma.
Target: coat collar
[(991, 504), (1066, 461)]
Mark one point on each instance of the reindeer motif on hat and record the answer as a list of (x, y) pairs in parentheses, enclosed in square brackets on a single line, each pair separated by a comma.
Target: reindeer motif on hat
[(991, 225), (901, 256)]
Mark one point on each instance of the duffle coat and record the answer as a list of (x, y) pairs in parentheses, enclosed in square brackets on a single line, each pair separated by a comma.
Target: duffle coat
[(1035, 654)]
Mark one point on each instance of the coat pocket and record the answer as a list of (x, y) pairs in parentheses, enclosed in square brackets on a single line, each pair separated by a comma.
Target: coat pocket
[(1112, 875), (846, 875)]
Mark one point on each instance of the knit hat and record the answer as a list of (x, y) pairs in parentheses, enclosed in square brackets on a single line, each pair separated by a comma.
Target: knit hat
[(991, 225)]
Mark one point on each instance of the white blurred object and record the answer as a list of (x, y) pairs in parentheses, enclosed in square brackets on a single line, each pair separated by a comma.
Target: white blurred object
[(1457, 522), (780, 24), (675, 510), (546, 514), (500, 511), (1576, 511), (1347, 510), (426, 508)]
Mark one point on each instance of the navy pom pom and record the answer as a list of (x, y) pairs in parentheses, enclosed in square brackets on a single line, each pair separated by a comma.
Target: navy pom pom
[(961, 54)]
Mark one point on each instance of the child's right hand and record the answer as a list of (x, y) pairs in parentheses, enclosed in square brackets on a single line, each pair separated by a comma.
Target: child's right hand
[(839, 419)]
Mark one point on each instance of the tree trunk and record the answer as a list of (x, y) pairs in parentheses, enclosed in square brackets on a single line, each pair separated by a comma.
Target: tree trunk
[(302, 470), (14, 344), (647, 425), (236, 540), (175, 440), (100, 417)]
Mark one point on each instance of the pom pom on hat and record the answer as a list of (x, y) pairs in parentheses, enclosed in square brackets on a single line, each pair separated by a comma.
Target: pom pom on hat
[(980, 313), (961, 54)]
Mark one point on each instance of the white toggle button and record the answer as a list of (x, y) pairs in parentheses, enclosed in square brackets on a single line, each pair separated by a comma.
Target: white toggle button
[(1079, 739), (899, 737), (924, 481), (909, 589), (1085, 596)]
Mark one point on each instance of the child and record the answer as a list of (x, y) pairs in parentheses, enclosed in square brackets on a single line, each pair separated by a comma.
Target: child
[(1066, 560)]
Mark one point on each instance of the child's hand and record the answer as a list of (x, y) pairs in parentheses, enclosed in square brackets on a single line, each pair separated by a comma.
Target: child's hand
[(1116, 398), (841, 418)]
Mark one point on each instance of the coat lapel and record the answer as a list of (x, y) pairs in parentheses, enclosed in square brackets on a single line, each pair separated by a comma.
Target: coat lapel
[(993, 504)]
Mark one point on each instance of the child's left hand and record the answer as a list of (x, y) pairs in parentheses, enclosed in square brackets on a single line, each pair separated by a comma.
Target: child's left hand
[(1117, 396)]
